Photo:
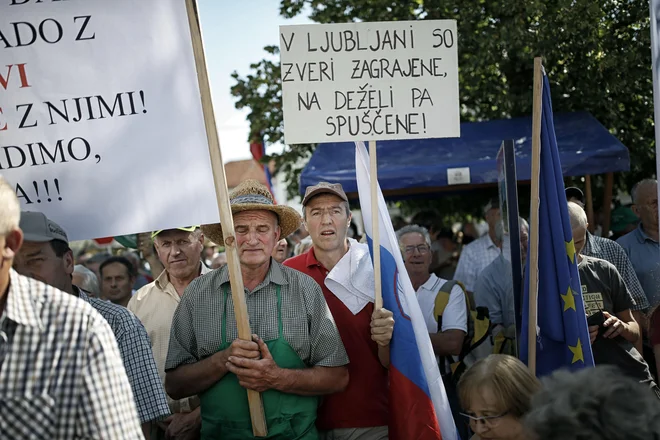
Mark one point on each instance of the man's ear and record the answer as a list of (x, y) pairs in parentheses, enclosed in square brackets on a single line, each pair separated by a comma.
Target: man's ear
[(635, 210), (13, 242), (68, 262)]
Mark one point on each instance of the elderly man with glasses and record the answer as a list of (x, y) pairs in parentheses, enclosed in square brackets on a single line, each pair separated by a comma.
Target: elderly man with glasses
[(447, 332)]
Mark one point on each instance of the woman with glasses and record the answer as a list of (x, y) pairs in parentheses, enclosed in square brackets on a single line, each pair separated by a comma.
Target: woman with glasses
[(495, 394)]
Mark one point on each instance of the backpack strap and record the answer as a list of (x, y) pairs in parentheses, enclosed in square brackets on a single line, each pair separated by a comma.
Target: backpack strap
[(442, 299)]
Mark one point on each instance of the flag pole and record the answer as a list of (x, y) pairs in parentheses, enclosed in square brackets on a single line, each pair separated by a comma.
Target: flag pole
[(655, 63), (259, 427), (375, 232), (534, 215)]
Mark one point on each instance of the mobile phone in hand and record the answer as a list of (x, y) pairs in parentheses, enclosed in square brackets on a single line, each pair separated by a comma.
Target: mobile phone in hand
[(597, 319)]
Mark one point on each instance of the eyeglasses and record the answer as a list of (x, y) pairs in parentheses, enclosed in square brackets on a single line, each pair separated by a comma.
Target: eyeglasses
[(488, 421), (422, 249)]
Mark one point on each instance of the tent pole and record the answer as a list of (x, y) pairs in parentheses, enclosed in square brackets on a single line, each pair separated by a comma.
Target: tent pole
[(607, 204), (588, 195)]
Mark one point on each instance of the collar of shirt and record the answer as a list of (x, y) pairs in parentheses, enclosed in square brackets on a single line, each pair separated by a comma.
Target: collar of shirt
[(641, 235), (310, 259), (163, 279), (274, 275), (489, 242), (81, 294), (20, 306), (430, 284), (590, 245)]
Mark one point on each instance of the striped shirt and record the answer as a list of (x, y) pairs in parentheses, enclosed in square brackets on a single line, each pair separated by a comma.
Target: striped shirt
[(475, 257), (135, 350), (61, 375), (308, 324)]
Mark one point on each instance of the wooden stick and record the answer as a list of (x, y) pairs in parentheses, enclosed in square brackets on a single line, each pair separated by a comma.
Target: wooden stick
[(588, 194), (375, 232), (259, 427), (534, 220), (607, 204)]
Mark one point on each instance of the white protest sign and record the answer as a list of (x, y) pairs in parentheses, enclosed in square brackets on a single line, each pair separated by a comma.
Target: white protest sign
[(101, 124), (370, 81)]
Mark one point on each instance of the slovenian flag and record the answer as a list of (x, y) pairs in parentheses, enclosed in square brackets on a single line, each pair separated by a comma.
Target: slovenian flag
[(419, 409)]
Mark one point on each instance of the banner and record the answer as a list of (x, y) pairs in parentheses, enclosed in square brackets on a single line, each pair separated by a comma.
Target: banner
[(101, 125), (370, 81)]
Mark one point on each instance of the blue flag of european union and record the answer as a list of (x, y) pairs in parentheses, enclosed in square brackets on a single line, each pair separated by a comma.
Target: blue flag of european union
[(563, 336)]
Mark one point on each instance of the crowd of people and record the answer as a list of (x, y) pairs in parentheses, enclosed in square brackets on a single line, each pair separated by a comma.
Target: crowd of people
[(145, 344)]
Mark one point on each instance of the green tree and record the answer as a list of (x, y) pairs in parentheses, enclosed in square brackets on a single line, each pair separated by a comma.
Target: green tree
[(596, 53)]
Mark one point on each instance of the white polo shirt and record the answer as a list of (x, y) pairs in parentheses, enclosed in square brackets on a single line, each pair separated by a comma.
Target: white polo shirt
[(455, 314)]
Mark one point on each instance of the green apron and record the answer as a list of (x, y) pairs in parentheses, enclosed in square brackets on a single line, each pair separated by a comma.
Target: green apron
[(224, 406)]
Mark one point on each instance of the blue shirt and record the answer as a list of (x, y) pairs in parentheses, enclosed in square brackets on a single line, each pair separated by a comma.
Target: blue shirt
[(494, 290), (644, 254)]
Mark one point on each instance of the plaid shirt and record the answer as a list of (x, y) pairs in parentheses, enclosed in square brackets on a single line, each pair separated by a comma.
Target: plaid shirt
[(61, 375), (475, 257), (139, 363), (608, 250), (308, 324)]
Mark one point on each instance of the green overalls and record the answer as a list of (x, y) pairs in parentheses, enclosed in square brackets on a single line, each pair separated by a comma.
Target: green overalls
[(224, 406)]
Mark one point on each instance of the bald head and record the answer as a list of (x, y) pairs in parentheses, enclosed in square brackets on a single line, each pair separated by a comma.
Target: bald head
[(577, 216), (579, 225), (11, 209), (11, 237), (640, 192), (645, 205)]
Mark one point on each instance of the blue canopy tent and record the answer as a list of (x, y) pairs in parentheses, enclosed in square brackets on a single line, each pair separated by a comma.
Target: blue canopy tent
[(410, 167)]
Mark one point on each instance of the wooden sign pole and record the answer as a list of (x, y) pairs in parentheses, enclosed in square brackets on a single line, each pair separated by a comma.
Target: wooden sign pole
[(375, 223), (259, 427), (534, 218)]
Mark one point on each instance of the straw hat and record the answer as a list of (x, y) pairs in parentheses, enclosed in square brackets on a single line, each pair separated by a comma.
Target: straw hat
[(251, 195)]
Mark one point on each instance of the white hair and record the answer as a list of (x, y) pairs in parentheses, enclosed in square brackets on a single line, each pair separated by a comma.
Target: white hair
[(11, 209), (414, 229), (90, 282), (499, 227), (577, 215), (634, 193)]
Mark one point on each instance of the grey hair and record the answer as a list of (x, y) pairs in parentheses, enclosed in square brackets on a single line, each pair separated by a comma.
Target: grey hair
[(576, 405), (11, 209), (410, 229), (635, 189), (499, 227), (577, 216), (90, 281)]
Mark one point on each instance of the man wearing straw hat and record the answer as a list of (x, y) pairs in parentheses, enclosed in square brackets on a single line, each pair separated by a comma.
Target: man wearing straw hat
[(296, 353)]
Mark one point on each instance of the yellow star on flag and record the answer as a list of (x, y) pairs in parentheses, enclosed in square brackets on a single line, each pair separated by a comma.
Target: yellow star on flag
[(569, 300), (570, 250), (577, 352)]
